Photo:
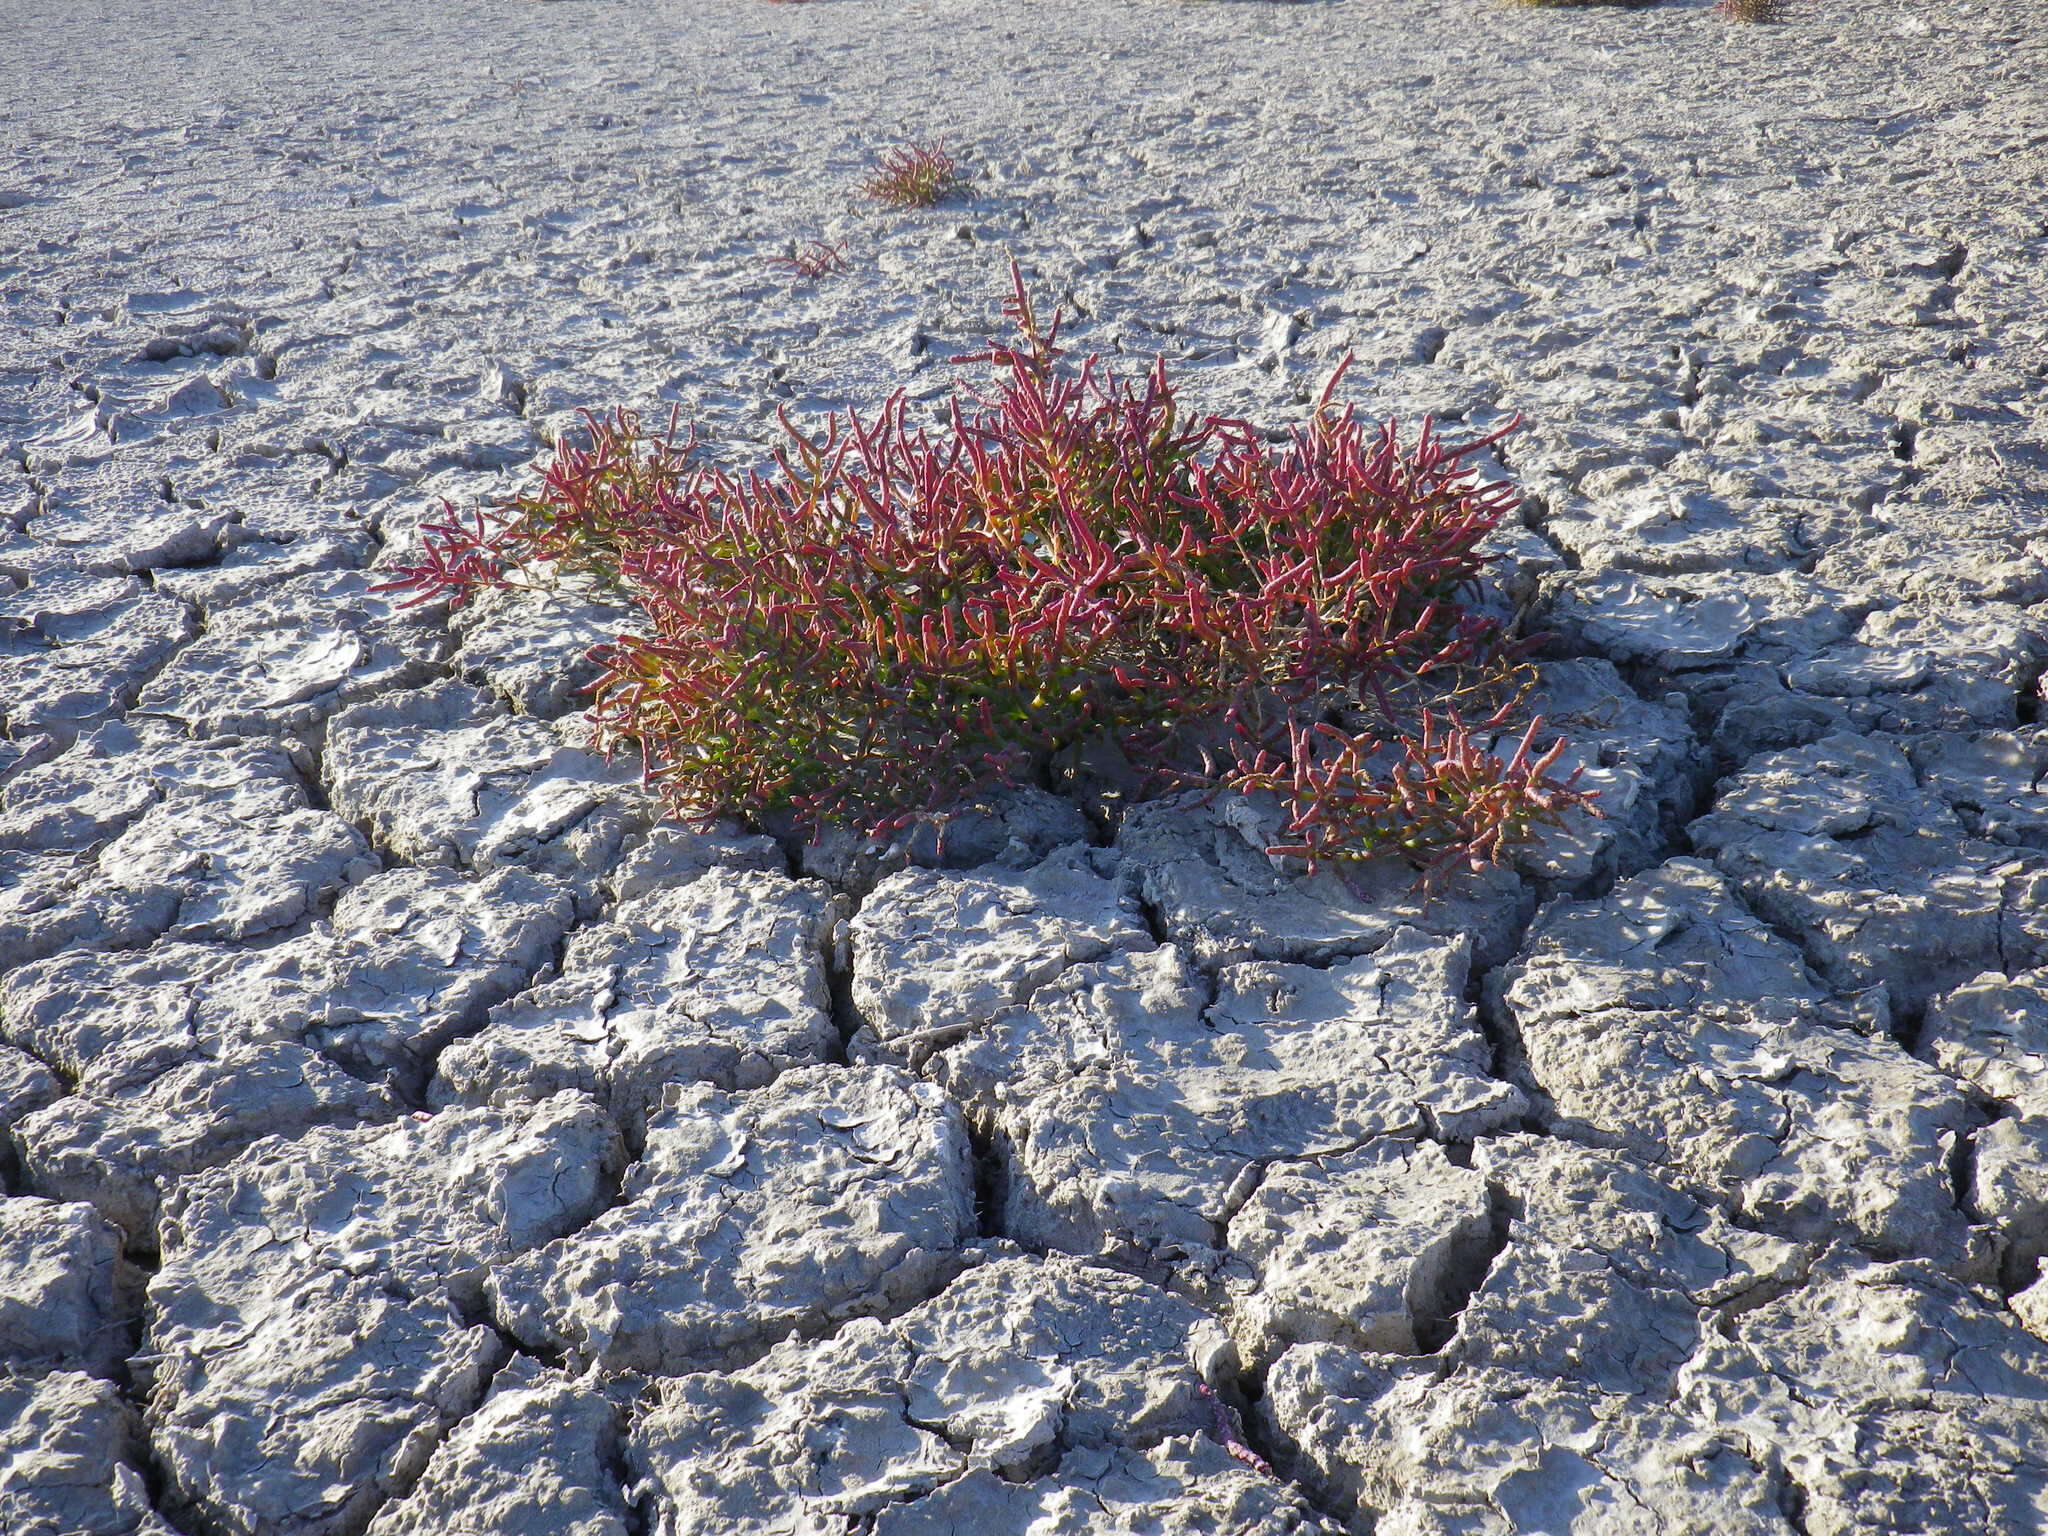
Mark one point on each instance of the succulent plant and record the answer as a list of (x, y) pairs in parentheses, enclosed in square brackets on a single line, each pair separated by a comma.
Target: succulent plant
[(811, 260), (912, 176), (894, 616)]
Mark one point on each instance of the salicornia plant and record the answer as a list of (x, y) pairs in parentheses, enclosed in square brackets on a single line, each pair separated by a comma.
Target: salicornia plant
[(892, 616), (912, 176), (812, 260)]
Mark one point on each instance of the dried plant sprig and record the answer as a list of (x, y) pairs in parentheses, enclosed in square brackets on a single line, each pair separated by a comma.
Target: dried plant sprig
[(893, 616), (912, 176), (812, 260), (1750, 10), (1228, 1431)]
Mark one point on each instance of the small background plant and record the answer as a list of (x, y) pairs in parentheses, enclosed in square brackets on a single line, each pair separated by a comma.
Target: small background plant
[(812, 260), (1750, 10), (912, 176), (893, 617)]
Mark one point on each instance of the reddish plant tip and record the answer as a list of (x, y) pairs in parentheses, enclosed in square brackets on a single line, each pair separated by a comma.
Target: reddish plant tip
[(898, 614), (912, 176), (812, 260)]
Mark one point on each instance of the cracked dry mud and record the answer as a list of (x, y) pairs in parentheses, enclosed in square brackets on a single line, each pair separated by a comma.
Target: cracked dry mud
[(404, 1131)]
